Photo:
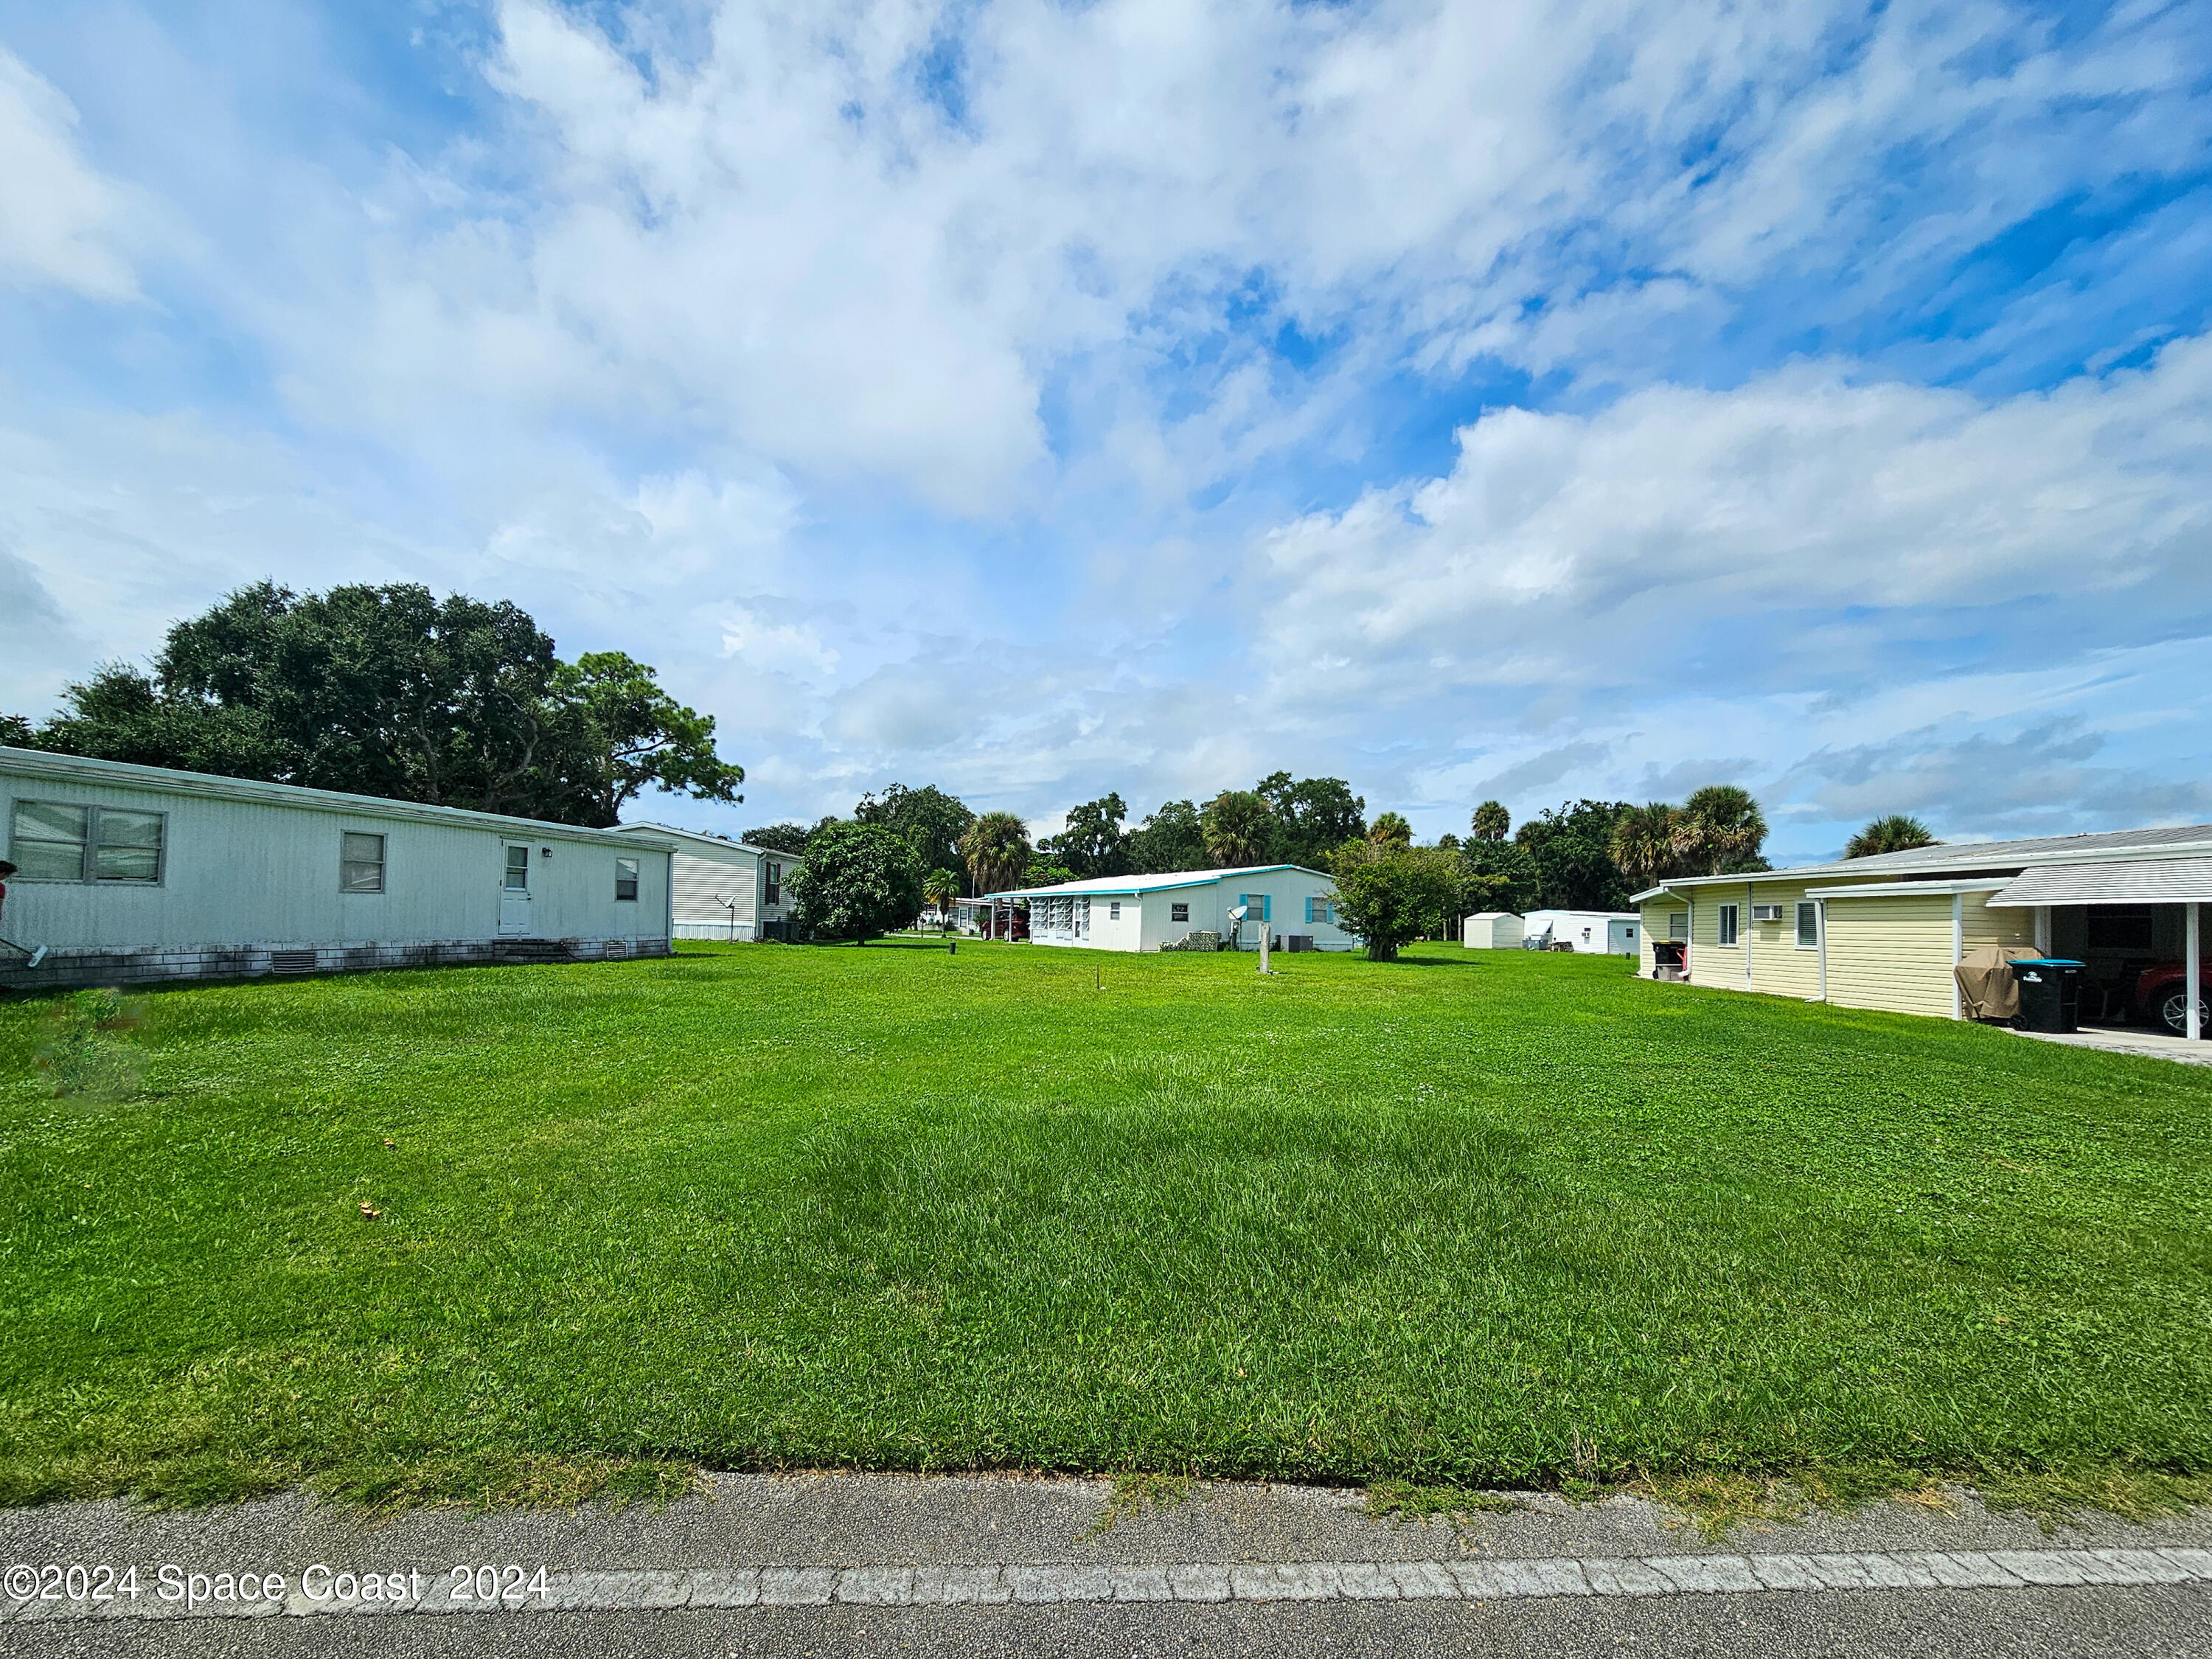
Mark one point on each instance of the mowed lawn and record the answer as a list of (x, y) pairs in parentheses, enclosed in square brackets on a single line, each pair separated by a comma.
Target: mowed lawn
[(1473, 1218)]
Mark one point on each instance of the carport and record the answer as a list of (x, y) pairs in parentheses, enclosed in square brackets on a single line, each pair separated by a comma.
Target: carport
[(2138, 924)]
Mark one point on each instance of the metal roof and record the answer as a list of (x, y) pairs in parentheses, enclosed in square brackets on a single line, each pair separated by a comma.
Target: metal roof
[(1966, 858), (2136, 881), (1114, 885), (84, 769), (714, 844)]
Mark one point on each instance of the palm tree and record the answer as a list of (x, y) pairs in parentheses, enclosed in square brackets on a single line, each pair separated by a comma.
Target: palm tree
[(1644, 843), (1237, 824), (1490, 821), (1390, 830), (940, 888), (1721, 827), (1897, 833), (997, 848)]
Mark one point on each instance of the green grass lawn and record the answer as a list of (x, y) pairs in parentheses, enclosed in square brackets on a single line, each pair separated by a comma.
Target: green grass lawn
[(1472, 1219)]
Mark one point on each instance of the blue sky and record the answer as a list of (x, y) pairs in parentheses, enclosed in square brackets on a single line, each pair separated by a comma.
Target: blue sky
[(1040, 399)]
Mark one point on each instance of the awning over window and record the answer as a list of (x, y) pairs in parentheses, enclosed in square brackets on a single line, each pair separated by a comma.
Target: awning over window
[(2131, 881)]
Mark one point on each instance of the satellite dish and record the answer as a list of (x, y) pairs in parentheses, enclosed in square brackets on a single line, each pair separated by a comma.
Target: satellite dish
[(1238, 913)]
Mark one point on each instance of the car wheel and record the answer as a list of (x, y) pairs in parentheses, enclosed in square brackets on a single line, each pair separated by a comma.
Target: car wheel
[(2173, 1013)]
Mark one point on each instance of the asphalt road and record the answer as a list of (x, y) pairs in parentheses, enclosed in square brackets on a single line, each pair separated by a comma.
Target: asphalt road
[(1014, 1532)]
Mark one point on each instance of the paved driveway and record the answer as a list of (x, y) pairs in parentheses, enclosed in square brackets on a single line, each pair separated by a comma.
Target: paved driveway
[(880, 1565)]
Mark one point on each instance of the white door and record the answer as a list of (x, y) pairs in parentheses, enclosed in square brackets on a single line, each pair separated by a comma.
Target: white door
[(514, 892)]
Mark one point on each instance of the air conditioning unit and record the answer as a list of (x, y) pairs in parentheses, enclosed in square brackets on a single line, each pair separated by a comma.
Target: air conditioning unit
[(1766, 913)]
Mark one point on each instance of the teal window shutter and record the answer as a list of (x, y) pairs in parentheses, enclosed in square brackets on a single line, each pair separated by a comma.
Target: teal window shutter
[(1310, 909)]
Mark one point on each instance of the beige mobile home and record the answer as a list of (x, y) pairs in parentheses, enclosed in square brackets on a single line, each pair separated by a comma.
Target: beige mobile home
[(1886, 932), (135, 874), (1298, 907), (725, 889)]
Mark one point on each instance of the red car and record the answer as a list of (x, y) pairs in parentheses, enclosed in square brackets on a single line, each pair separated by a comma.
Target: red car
[(2162, 997)]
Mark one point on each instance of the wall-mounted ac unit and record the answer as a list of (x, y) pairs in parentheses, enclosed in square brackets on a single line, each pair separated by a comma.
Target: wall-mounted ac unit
[(1766, 913)]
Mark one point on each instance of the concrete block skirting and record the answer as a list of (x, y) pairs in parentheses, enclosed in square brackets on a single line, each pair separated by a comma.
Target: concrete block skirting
[(161, 964)]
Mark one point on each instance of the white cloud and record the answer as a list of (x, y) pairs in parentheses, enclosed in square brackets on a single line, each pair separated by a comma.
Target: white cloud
[(776, 647), (61, 221), (1792, 532)]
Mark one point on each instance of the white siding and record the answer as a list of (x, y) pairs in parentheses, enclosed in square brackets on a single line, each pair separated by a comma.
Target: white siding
[(1147, 922), (701, 883), (250, 871)]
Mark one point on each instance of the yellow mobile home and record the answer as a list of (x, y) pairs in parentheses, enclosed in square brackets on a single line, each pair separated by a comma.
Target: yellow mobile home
[(1886, 932)]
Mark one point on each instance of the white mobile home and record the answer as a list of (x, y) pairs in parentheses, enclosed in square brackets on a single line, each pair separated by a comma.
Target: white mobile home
[(134, 873), (1593, 933), (724, 889), (1492, 930), (1298, 907)]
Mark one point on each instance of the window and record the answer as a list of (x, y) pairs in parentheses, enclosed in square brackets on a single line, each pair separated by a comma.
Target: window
[(1113, 910), (626, 879), (2111, 926), (49, 841), (518, 869), (1252, 902), (1728, 918), (361, 862), (1808, 925), (1178, 913), (1678, 925), (772, 879), (1318, 909)]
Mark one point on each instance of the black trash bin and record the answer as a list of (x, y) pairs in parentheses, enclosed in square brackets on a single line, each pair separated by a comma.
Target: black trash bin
[(2050, 994)]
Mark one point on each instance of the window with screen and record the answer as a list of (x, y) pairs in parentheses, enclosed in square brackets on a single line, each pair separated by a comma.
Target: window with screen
[(772, 879), (1808, 925), (1178, 913), (626, 879), (1727, 923), (1678, 925), (1113, 910), (361, 862), (49, 841), (518, 869)]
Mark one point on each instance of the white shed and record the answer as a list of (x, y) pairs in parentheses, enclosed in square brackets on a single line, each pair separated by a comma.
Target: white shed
[(1492, 930), (1593, 933), (724, 889), (132, 873), (1153, 913)]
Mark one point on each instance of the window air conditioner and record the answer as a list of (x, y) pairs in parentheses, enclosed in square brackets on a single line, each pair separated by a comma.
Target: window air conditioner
[(1766, 913)]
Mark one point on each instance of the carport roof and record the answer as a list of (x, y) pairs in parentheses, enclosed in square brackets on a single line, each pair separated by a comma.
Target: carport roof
[(1969, 858), (2132, 881)]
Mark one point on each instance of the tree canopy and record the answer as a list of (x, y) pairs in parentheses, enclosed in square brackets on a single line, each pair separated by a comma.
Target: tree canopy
[(1169, 839), (1897, 833), (927, 819), (996, 851), (1571, 848), (1238, 828), (785, 837), (1093, 843), (1392, 893), (1313, 817), (1722, 830), (859, 880), (1490, 821), (390, 691)]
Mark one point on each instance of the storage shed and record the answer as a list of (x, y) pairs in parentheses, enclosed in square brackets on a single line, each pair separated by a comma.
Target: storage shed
[(1298, 907), (135, 873), (724, 889), (1492, 930)]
